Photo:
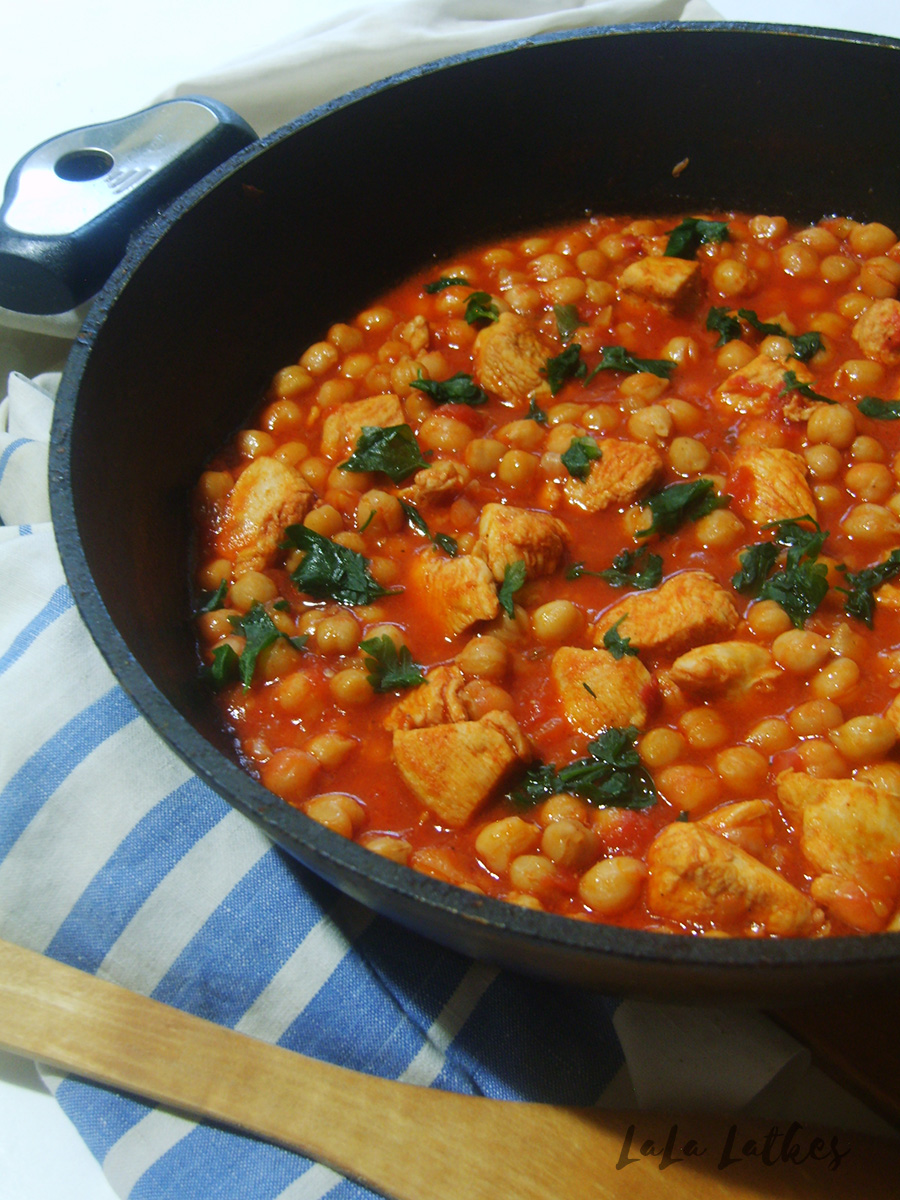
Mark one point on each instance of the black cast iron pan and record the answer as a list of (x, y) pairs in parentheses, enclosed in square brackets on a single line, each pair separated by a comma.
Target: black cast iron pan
[(305, 227)]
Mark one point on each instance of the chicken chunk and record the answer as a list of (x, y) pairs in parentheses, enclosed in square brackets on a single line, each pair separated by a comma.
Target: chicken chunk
[(622, 473), (510, 359), (689, 609), (442, 480), (453, 769), (726, 669), (877, 331), (436, 702), (698, 877), (749, 824), (416, 333), (509, 535), (460, 590), (753, 388), (849, 830), (674, 283), (341, 429), (267, 497), (597, 691), (770, 484)]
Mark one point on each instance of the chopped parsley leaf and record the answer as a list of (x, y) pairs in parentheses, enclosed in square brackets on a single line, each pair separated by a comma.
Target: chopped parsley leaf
[(445, 281), (392, 450), (216, 599), (801, 585), (860, 600), (330, 571), (480, 307), (727, 327), (513, 579), (390, 667), (617, 358), (881, 410), (687, 238), (443, 540), (680, 502), (458, 389), (617, 645), (793, 384), (638, 569), (567, 320), (612, 776), (260, 632), (581, 453), (566, 365), (224, 667), (536, 413), (804, 345)]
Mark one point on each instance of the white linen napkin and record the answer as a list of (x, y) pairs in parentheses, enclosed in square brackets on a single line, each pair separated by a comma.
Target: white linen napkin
[(115, 859)]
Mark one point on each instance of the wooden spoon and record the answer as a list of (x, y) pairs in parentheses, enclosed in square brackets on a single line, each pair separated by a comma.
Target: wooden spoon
[(416, 1143)]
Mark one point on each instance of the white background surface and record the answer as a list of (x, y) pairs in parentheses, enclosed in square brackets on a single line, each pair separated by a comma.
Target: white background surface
[(73, 64)]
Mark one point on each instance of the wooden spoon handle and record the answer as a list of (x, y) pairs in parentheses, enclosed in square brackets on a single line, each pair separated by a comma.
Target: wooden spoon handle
[(407, 1142)]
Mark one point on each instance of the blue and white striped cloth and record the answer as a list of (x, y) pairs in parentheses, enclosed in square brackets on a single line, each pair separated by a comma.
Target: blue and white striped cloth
[(116, 860)]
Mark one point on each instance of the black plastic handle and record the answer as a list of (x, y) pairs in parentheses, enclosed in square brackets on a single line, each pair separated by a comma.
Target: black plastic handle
[(71, 204)]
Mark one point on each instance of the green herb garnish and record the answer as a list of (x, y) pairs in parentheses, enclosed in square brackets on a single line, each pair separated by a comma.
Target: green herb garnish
[(392, 450), (260, 632), (458, 389), (536, 413), (727, 327), (804, 345), (443, 540), (566, 365), (445, 281), (801, 585), (881, 410), (581, 453), (390, 668), (224, 667), (860, 600), (680, 502), (687, 238), (567, 320), (617, 645), (480, 307), (216, 599), (793, 384), (638, 569), (613, 775), (513, 579), (330, 571), (617, 358)]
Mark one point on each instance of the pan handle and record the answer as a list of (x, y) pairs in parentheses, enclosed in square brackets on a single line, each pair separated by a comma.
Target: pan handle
[(71, 204)]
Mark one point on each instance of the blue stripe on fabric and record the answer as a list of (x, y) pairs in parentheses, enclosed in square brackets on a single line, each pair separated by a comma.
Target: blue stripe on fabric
[(61, 601), (151, 849), (213, 1164), (39, 777), (10, 451), (100, 1115), (245, 942), (25, 530), (520, 1044)]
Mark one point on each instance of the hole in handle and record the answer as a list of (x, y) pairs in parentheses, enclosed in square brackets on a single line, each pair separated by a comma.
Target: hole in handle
[(80, 166)]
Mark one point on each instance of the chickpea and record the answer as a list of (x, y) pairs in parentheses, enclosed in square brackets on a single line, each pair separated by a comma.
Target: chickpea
[(688, 456), (289, 774), (439, 432), (521, 435), (253, 587), (733, 278), (337, 634), (330, 749), (742, 769), (557, 621), (687, 786), (864, 738), (389, 846), (768, 619), (532, 874), (350, 687), (823, 460), (719, 529), (835, 680), (379, 512), (337, 811), (832, 423), (215, 625), (486, 657), (815, 717), (299, 697), (771, 735), (570, 844), (733, 356), (870, 481), (821, 760), (516, 468), (859, 376), (613, 885), (483, 455), (324, 519), (498, 843), (870, 239), (643, 386), (661, 746), (871, 523), (799, 651), (653, 425), (480, 697)]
